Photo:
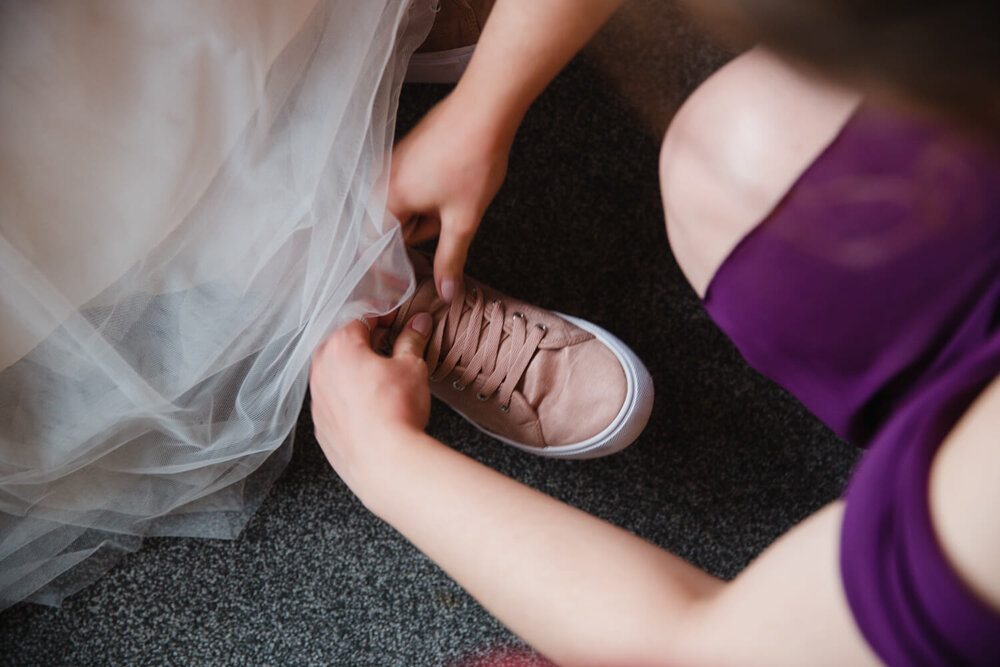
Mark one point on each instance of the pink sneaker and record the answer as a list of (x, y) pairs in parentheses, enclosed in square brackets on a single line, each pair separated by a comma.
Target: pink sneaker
[(545, 383)]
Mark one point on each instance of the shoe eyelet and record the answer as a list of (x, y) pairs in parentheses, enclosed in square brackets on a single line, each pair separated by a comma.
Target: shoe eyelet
[(481, 396), (542, 327), (459, 387), (494, 300), (505, 409), (517, 315)]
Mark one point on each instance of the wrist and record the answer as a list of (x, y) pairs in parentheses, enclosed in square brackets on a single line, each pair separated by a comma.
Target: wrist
[(491, 116), (390, 455)]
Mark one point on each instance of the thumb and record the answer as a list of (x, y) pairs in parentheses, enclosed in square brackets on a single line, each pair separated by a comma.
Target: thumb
[(413, 338), (449, 258)]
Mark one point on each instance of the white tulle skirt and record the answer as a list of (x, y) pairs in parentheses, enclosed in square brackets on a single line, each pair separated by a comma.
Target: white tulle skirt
[(191, 198)]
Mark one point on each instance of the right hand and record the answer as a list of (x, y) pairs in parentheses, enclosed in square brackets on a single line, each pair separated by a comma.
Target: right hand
[(362, 401), (444, 174)]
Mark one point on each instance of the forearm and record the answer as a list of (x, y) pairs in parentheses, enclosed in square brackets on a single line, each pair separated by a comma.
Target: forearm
[(523, 46), (576, 588)]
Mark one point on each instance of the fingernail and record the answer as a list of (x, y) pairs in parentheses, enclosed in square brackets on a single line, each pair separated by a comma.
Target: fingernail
[(447, 289), (421, 323)]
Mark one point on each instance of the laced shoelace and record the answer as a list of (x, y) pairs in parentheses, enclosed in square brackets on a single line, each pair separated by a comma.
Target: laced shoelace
[(481, 355)]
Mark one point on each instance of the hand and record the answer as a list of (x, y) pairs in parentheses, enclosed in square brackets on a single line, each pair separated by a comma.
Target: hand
[(363, 402), (444, 174)]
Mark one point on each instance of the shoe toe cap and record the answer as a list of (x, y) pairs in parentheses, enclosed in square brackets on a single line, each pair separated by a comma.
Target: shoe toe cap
[(577, 391)]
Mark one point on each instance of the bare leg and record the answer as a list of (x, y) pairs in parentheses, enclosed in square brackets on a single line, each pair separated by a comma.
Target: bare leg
[(735, 148)]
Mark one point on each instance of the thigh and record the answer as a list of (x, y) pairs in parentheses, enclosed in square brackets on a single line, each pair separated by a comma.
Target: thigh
[(735, 149)]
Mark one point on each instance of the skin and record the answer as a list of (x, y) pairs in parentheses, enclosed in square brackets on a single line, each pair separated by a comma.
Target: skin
[(448, 168), (722, 172), (576, 588), (532, 561)]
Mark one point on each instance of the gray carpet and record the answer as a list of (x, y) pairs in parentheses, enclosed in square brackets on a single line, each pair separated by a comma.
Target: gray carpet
[(727, 463)]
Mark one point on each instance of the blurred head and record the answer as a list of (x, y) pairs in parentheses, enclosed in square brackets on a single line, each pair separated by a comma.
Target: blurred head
[(939, 54)]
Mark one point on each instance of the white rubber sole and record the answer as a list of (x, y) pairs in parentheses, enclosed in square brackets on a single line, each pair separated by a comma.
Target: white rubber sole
[(626, 426), (439, 66)]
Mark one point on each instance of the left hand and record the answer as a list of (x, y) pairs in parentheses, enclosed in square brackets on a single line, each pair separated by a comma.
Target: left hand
[(444, 174), (362, 402)]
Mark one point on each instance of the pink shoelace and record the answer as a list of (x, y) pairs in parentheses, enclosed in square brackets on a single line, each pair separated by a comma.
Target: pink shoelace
[(466, 347)]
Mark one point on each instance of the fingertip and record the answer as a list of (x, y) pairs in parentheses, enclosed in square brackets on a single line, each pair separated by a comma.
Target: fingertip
[(448, 283), (447, 289), (449, 262), (356, 331), (422, 323), (353, 327)]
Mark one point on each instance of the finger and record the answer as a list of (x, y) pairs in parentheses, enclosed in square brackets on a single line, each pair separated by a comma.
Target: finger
[(449, 259), (422, 229), (413, 338), (354, 334)]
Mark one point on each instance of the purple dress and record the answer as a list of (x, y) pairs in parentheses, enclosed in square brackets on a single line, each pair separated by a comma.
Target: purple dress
[(872, 293)]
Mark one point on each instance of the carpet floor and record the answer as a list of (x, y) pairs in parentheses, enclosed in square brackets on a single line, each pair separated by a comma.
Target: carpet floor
[(728, 462)]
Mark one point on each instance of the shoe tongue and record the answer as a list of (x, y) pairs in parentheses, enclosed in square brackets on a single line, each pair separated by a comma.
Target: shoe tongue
[(465, 321), (425, 299)]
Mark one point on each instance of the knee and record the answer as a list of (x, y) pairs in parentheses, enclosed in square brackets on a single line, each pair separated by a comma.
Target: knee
[(704, 179), (719, 140), (685, 166), (735, 148)]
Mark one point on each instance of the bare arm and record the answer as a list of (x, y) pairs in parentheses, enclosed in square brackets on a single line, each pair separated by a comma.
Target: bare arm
[(965, 497), (576, 588), (447, 170), (523, 46), (585, 592)]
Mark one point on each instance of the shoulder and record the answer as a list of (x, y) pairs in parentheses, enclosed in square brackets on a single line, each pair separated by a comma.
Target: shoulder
[(965, 496)]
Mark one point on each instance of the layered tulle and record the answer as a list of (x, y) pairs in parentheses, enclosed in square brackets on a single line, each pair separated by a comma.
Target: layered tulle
[(192, 197)]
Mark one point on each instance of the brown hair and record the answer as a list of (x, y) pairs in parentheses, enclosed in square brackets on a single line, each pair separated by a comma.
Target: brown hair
[(943, 54)]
